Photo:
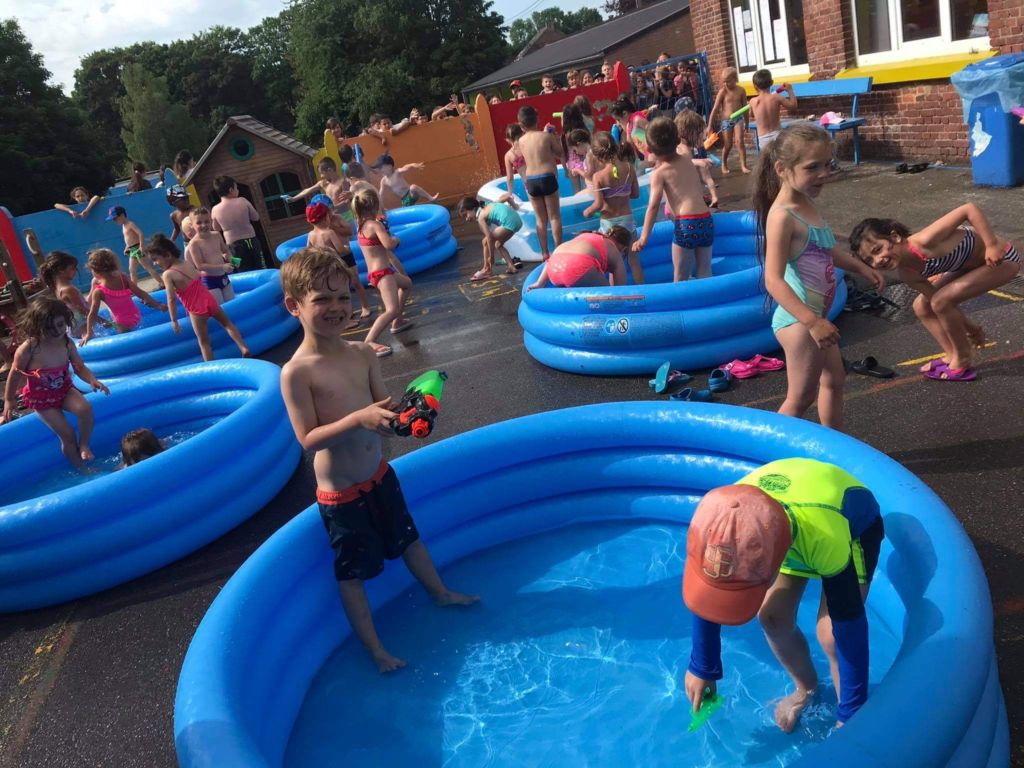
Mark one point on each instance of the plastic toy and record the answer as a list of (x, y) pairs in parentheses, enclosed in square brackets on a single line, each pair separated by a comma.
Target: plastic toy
[(420, 405), (709, 704)]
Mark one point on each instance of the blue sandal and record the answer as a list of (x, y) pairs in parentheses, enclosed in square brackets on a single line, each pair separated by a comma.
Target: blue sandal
[(692, 395), (719, 380), (665, 377)]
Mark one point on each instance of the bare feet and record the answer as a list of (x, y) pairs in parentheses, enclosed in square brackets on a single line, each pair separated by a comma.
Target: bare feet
[(725, 170), (788, 711), (385, 661), (245, 352), (744, 169), (86, 453), (455, 598), (365, 314), (434, 197)]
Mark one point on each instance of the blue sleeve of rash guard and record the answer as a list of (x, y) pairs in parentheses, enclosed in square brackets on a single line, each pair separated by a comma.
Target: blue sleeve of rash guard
[(706, 656), (850, 630)]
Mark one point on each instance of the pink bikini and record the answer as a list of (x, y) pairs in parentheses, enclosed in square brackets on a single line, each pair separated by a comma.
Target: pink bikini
[(566, 268)]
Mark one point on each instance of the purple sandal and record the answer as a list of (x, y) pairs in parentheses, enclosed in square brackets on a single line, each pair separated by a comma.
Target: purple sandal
[(944, 373)]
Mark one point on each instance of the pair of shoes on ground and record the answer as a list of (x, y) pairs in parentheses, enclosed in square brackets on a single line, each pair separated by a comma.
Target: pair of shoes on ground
[(915, 168), (718, 381), (755, 366), (939, 370)]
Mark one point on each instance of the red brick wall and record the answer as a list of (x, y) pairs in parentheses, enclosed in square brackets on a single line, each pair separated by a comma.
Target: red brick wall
[(674, 37), (712, 33), (829, 47), (1006, 25)]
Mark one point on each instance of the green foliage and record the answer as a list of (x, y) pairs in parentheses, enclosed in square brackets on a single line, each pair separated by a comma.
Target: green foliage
[(523, 30), (616, 8), (46, 148), (155, 141), (419, 55)]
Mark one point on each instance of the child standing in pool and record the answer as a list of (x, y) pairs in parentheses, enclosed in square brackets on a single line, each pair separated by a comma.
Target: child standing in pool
[(111, 287), (966, 257), (45, 359), (542, 152), (339, 408), (58, 274), (183, 281), (330, 184), (691, 127), (208, 253), (800, 256), (133, 242), (377, 243), (499, 222), (615, 186)]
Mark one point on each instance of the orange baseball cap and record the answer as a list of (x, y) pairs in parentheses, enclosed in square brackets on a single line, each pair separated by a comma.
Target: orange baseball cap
[(737, 541)]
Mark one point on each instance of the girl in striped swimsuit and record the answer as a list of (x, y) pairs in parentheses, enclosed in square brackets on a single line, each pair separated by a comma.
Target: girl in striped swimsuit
[(948, 262)]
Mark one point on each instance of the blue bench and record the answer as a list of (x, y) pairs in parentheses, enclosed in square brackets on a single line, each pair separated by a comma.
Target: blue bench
[(853, 86)]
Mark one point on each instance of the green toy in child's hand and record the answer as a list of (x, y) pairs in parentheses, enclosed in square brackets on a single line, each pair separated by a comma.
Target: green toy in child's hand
[(556, 114), (709, 704), (236, 262), (739, 112)]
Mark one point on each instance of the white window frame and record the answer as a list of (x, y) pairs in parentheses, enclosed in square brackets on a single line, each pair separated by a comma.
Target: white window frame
[(941, 45), (782, 69)]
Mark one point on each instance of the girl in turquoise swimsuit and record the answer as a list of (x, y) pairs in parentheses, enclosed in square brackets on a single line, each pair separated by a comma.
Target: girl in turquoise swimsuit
[(800, 256)]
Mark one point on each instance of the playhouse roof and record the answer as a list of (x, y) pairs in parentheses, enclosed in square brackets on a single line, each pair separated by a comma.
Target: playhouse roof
[(583, 46), (251, 125)]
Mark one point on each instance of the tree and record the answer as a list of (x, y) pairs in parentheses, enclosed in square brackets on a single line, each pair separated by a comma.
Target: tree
[(523, 30), (154, 128), (266, 46), (615, 8), (46, 147)]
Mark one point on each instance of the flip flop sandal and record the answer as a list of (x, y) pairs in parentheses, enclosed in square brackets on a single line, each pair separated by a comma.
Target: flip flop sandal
[(691, 395), (945, 373), (403, 327), (902, 168), (741, 369), (870, 367), (481, 275), (665, 377), (719, 380), (918, 168), (762, 363), (382, 350)]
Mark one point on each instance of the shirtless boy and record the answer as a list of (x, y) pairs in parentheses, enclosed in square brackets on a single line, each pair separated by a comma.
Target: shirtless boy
[(729, 99), (542, 152), (340, 409), (133, 244), (392, 178), (233, 216), (331, 233), (208, 253), (766, 107)]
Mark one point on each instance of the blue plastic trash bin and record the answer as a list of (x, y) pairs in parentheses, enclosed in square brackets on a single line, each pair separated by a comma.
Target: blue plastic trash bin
[(989, 90)]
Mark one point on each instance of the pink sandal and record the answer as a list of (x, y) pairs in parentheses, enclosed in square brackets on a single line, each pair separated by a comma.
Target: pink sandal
[(763, 363), (742, 370)]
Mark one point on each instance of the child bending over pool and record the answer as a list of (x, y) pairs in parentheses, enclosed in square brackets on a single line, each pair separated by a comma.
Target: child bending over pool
[(208, 253), (183, 281), (499, 222), (111, 287), (339, 408), (79, 195), (586, 260), (966, 258), (45, 359), (800, 257), (139, 444), (750, 550)]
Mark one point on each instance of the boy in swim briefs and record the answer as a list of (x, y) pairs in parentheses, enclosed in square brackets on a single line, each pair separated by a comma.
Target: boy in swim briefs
[(730, 98), (340, 409), (542, 152), (133, 242), (766, 106), (392, 178), (208, 253)]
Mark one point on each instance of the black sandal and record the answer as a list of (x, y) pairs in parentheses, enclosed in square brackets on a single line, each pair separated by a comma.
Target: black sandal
[(870, 367)]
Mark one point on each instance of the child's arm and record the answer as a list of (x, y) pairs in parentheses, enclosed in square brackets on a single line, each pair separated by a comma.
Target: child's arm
[(542, 279), (21, 358), (789, 100), (410, 167), (141, 242), (172, 301), (973, 215), (849, 262), (67, 209), (318, 187), (705, 667), (397, 128), (148, 300), (84, 373), (176, 229), (92, 204), (397, 263), (634, 189), (254, 215), (656, 191), (509, 173), (714, 109), (379, 134), (94, 310), (598, 203), (71, 295), (481, 220), (556, 147)]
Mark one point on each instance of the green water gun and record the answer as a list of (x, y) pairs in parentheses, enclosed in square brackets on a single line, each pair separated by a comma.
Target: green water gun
[(420, 405), (709, 704)]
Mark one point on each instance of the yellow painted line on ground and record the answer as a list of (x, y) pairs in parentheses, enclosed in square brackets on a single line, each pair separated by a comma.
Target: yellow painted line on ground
[(1007, 296), (925, 359)]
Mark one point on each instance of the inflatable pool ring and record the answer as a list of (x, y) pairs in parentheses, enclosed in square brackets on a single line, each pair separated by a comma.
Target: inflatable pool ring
[(257, 309), (425, 232), (120, 525), (278, 620), (524, 244), (635, 329)]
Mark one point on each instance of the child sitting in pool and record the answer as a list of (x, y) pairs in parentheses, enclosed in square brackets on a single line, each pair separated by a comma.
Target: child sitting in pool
[(498, 222), (58, 274), (586, 260), (542, 152), (183, 282), (675, 178), (139, 444), (394, 179), (615, 186), (208, 253), (111, 287), (45, 359), (966, 258), (339, 408), (133, 241), (750, 550), (326, 235)]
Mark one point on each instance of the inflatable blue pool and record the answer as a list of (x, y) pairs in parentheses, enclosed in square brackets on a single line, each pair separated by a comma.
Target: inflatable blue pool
[(252, 682), (257, 309), (634, 329), (75, 540), (425, 232), (525, 245)]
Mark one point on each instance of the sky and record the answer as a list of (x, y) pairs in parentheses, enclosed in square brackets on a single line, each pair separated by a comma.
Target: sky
[(64, 31)]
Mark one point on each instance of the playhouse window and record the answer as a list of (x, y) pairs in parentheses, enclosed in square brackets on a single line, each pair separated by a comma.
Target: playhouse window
[(768, 33), (279, 184), (899, 29), (241, 148)]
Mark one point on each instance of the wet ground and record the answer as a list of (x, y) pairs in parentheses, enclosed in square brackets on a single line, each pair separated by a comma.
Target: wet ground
[(92, 682)]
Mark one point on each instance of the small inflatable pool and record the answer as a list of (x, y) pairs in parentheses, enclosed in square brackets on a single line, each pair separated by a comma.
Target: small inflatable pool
[(620, 481), (634, 329), (425, 232), (525, 245), (257, 309), (75, 540)]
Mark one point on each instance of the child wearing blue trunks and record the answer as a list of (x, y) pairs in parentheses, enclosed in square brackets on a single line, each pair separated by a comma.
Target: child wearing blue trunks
[(800, 256), (542, 152), (498, 222), (340, 409), (675, 177), (966, 258)]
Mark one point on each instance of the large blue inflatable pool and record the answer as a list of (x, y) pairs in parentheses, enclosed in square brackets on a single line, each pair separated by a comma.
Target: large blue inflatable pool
[(279, 621), (525, 245), (633, 329), (425, 232), (75, 541), (257, 309)]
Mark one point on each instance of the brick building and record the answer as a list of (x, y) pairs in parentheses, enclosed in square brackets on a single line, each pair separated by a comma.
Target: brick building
[(643, 34), (909, 47)]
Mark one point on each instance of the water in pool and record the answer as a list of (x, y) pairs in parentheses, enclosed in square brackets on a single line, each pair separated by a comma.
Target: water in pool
[(575, 657)]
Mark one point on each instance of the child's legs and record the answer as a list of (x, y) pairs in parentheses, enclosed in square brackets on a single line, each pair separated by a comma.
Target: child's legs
[(778, 620), (228, 292), (55, 419), (502, 236), (357, 609), (488, 255), (804, 361), (830, 389), (355, 284), (923, 310), (404, 283), (826, 639), (133, 269), (682, 263), (593, 278), (218, 294), (420, 192), (554, 209), (200, 326), (236, 335), (75, 403), (635, 267), (737, 132), (387, 286), (540, 211), (703, 257), (417, 560), (945, 303)]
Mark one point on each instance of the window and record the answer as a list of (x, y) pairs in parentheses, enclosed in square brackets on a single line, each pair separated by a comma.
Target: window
[(241, 148), (893, 29), (279, 184), (768, 33)]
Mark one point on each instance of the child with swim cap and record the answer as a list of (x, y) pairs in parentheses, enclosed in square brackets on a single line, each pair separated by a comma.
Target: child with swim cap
[(750, 550), (339, 408)]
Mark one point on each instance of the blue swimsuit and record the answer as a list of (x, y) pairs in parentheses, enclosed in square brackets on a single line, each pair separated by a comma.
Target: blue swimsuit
[(811, 275)]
